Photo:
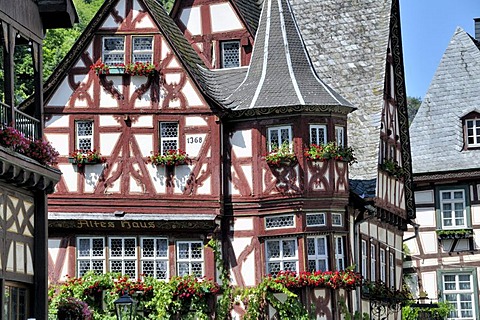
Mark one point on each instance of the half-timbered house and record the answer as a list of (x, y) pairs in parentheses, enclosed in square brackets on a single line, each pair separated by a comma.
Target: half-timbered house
[(445, 138), (234, 81), (24, 182)]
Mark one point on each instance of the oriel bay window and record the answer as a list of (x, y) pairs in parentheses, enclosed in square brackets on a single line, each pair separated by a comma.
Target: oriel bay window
[(278, 137), (317, 253), (318, 134), (281, 255)]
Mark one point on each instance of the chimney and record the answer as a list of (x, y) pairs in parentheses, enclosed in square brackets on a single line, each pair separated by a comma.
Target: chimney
[(477, 28)]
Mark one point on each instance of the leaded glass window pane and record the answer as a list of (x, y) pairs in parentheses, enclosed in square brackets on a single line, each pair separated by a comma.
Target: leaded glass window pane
[(190, 258), (142, 49), (113, 50), (230, 54), (84, 135), (168, 136)]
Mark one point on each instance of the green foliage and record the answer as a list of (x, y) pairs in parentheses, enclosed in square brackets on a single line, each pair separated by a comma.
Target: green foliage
[(280, 155), (329, 151), (347, 315), (413, 104), (411, 313)]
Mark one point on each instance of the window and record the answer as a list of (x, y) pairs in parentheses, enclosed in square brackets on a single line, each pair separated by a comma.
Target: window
[(391, 264), (168, 136), (383, 265), (373, 262), (278, 136), (123, 256), (364, 259), (340, 136), (154, 257), (113, 50), (281, 255), (337, 219), (339, 253), (142, 49), (280, 222), (230, 54), (317, 253), (84, 135), (190, 258), (459, 292), (318, 134), (315, 219), (15, 302), (452, 207), (90, 255), (473, 132)]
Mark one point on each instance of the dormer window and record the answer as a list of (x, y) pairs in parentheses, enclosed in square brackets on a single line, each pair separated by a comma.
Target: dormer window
[(113, 50), (471, 124), (230, 51)]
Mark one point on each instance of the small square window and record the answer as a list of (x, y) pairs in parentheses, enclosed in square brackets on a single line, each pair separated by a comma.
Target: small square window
[(113, 50), (142, 49), (279, 136), (281, 255), (190, 258), (315, 219), (453, 209), (337, 219), (472, 132), (84, 135), (168, 136), (230, 54), (318, 134), (280, 222)]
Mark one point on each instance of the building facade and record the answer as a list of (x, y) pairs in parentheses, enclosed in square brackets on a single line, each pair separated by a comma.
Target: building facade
[(229, 82), (24, 182), (444, 257)]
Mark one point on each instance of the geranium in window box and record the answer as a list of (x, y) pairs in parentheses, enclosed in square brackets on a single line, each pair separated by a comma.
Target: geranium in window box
[(392, 168), (81, 158), (280, 156), (140, 69), (330, 151), (101, 68), (388, 296), (454, 234), (169, 158)]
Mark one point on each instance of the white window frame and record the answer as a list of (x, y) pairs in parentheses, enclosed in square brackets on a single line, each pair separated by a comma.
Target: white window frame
[(171, 139), (222, 53), (86, 137), (364, 259), (90, 258), (319, 138), (280, 217), (317, 256), (391, 263), (339, 253), (470, 133), (337, 215), (383, 265), (452, 201), (459, 293), (190, 260), (373, 262), (155, 258), (320, 214), (340, 136), (123, 258), (139, 51), (278, 130), (281, 260), (106, 52)]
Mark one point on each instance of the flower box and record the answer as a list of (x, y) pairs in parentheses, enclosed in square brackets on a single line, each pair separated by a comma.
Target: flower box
[(281, 156), (330, 151), (169, 158), (392, 168), (140, 69), (81, 158), (454, 234)]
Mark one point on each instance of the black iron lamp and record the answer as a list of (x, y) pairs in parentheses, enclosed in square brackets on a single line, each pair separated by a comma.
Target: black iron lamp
[(124, 307)]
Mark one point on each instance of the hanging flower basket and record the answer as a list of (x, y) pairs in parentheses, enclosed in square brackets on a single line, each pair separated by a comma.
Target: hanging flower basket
[(330, 151), (81, 158), (280, 156), (169, 158), (392, 168)]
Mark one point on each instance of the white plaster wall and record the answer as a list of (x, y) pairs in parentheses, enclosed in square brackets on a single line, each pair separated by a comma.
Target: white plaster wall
[(475, 209), (165, 49), (426, 217), (108, 142), (242, 224), (62, 95), (173, 64), (143, 122), (248, 266), (182, 175), (135, 187), (110, 22), (429, 282), (429, 241), (195, 121), (58, 121), (145, 144), (158, 177), (412, 243), (106, 99), (424, 197), (193, 144), (191, 18), (60, 142), (373, 231), (248, 172), (143, 101), (399, 247), (191, 95), (382, 235), (224, 18), (232, 189), (69, 175), (108, 121), (242, 143), (92, 174), (146, 21)]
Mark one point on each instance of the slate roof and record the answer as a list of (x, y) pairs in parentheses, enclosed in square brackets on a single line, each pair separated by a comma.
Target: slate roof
[(347, 41), (250, 10), (280, 72), (436, 132)]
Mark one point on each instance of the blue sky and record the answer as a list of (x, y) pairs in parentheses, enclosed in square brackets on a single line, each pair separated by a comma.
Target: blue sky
[(427, 27)]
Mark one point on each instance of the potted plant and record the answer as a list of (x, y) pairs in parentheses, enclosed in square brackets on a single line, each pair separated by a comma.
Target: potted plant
[(169, 158), (100, 68), (330, 151), (392, 168), (280, 156), (140, 68), (81, 158), (73, 309)]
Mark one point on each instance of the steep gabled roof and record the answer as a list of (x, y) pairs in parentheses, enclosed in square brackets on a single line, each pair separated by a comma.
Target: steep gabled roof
[(437, 132), (250, 10), (187, 55), (280, 72)]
